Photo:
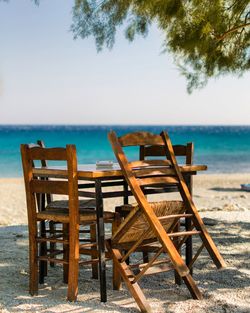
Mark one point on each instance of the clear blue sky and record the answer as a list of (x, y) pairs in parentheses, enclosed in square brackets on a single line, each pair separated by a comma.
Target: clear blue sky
[(46, 77)]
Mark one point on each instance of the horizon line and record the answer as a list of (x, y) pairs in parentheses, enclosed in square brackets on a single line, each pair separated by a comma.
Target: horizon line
[(144, 125)]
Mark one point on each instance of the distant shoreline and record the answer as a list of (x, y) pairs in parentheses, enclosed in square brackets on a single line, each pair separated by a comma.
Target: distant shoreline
[(144, 125), (224, 149)]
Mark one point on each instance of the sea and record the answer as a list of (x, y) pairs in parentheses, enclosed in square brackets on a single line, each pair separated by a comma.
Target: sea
[(224, 149)]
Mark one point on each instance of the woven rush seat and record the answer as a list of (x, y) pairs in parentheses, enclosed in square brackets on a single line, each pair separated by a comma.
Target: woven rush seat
[(125, 209), (64, 204), (156, 205), (160, 208), (62, 215)]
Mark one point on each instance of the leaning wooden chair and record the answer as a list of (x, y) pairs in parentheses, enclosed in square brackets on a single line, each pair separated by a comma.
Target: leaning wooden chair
[(153, 224), (71, 217)]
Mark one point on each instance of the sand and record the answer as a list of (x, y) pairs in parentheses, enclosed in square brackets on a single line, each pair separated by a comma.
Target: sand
[(226, 210)]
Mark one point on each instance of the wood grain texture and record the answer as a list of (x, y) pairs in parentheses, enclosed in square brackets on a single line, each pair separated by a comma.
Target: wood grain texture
[(90, 172), (187, 198), (140, 139), (71, 215), (150, 222)]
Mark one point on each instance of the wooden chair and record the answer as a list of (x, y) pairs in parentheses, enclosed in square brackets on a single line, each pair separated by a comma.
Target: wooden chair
[(46, 201), (154, 224), (71, 217)]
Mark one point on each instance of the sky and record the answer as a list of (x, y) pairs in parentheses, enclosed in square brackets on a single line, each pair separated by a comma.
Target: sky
[(47, 77)]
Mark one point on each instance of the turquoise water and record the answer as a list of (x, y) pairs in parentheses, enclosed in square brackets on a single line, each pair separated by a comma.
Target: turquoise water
[(224, 149)]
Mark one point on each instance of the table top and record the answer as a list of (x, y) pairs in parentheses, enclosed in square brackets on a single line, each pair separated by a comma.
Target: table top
[(91, 171)]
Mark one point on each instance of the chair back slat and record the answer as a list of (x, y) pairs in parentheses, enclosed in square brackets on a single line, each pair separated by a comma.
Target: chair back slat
[(147, 163), (179, 150), (146, 151), (154, 181), (140, 139), (49, 187), (153, 171), (52, 154)]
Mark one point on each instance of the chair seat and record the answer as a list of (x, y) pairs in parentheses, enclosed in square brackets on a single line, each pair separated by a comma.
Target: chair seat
[(62, 215), (138, 226), (64, 204), (125, 209)]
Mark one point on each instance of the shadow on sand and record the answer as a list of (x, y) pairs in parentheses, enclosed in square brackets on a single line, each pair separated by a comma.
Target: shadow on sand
[(228, 189), (164, 296)]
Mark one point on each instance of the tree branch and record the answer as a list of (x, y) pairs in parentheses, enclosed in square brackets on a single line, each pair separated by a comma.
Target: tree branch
[(232, 30)]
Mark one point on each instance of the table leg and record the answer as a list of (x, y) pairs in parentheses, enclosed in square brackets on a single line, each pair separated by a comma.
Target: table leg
[(125, 189), (101, 240)]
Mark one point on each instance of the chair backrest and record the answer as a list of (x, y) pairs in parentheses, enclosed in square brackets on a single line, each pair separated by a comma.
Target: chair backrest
[(143, 173), (35, 184), (160, 170), (185, 151)]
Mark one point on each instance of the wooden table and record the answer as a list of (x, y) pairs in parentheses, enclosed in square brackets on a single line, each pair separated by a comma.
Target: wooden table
[(99, 178)]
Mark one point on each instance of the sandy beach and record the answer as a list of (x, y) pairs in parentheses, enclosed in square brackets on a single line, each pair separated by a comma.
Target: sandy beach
[(226, 210)]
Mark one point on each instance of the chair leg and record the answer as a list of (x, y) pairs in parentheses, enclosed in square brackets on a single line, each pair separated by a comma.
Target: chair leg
[(73, 262), (126, 274), (117, 282), (33, 263), (176, 241), (65, 253), (42, 251), (52, 245), (189, 244), (207, 240), (180, 266), (188, 224), (94, 255), (192, 287)]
